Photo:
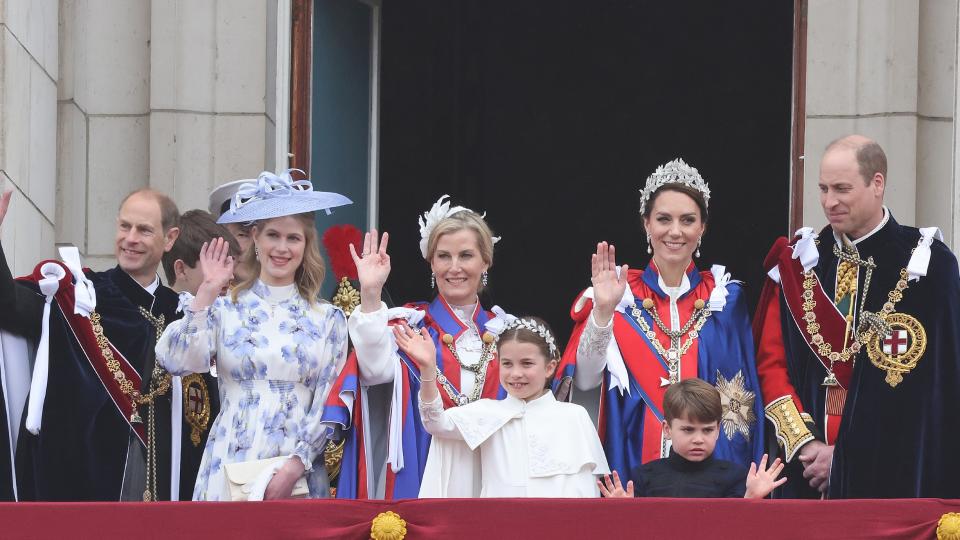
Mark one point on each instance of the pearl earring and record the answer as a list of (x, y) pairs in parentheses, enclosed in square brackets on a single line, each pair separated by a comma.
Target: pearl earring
[(649, 249), (433, 281)]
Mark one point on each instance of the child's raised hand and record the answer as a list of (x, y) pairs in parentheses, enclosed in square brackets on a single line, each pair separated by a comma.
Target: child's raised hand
[(216, 264), (418, 346), (614, 489), (762, 480)]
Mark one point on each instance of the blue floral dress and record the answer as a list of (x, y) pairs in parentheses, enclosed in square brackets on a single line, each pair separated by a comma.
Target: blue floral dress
[(276, 358)]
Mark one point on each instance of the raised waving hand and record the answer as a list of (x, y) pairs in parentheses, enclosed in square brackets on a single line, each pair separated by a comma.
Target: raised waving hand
[(762, 480), (419, 346), (614, 489), (373, 268), (217, 267), (608, 287)]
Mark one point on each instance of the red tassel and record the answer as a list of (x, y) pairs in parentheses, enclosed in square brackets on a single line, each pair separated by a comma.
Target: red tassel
[(337, 240)]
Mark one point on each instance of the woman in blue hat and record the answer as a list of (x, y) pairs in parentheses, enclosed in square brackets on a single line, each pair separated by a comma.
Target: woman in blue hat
[(276, 349)]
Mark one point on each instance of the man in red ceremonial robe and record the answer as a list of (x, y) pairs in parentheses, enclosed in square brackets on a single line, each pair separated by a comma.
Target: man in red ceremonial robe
[(858, 335)]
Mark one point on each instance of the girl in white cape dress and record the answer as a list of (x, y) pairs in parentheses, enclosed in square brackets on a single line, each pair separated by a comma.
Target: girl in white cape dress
[(529, 444)]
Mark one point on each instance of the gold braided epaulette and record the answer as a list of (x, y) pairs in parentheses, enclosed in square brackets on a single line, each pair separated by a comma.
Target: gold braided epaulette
[(789, 425)]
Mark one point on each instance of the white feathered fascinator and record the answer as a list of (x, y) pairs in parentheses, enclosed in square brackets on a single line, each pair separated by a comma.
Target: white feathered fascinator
[(437, 213)]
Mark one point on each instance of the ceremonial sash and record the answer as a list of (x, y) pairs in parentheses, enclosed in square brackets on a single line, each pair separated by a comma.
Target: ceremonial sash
[(82, 329), (342, 408), (833, 325), (647, 369)]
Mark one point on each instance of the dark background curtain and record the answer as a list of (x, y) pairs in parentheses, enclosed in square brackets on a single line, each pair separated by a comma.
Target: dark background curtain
[(550, 115)]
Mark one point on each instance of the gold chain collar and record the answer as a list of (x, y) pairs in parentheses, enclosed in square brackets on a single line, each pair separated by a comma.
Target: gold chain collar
[(872, 324), (677, 350), (480, 369), (159, 385)]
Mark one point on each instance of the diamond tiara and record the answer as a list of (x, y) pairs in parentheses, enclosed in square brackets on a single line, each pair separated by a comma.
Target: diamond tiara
[(674, 172)]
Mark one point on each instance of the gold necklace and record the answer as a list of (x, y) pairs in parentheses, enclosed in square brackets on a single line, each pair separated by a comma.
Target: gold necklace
[(871, 323), (677, 349), (480, 370)]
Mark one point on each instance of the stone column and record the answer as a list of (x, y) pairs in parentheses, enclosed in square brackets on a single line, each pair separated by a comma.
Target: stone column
[(28, 128), (887, 69), (170, 94), (104, 121), (209, 121)]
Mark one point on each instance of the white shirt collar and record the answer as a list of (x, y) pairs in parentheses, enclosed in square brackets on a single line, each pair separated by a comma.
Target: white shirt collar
[(544, 399), (152, 288), (674, 292), (886, 218)]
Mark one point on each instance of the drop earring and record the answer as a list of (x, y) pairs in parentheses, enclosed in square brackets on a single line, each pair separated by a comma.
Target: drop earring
[(649, 249), (433, 281), (697, 252), (484, 279)]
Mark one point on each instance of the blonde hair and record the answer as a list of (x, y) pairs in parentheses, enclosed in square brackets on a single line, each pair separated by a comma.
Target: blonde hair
[(309, 275), (464, 219)]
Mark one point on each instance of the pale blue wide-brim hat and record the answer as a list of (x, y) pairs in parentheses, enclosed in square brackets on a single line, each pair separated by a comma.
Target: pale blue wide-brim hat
[(271, 196)]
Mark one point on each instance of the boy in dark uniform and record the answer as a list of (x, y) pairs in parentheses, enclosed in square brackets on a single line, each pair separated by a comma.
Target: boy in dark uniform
[(198, 392), (692, 413)]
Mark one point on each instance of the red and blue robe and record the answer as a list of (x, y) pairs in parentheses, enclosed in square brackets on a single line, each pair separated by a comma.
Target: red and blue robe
[(890, 441), (342, 406), (630, 423)]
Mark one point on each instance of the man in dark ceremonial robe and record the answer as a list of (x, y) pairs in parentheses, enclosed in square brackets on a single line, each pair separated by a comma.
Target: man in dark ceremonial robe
[(858, 334), (85, 437)]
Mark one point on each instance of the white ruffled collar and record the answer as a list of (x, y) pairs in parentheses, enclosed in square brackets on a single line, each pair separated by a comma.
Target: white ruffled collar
[(465, 313)]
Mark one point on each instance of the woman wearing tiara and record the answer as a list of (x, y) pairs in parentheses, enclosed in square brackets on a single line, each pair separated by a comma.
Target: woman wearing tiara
[(639, 331), (458, 245), (278, 350)]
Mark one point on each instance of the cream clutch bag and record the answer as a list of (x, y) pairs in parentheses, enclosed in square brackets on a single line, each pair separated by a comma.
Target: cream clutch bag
[(250, 478)]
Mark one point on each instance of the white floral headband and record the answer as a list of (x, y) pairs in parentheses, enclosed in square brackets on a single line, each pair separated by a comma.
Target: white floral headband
[(437, 213), (537, 328)]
